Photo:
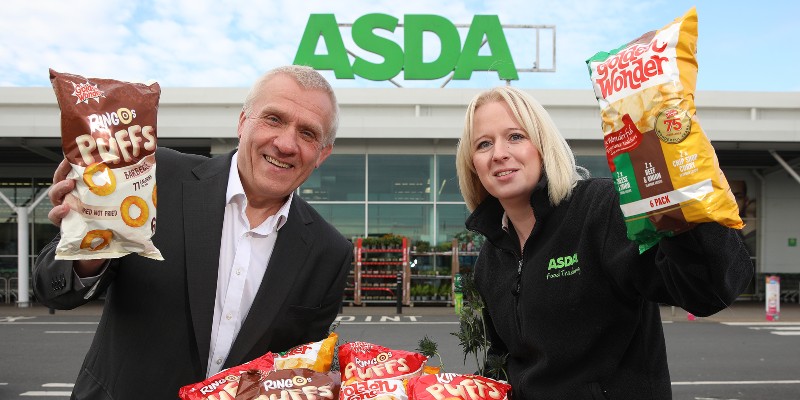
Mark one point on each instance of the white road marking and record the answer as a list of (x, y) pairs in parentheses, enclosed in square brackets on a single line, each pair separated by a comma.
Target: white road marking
[(46, 394), (787, 382)]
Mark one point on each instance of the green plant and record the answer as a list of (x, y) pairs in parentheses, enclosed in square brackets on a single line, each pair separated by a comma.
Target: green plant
[(472, 332), (422, 246), (444, 290), (444, 247), (369, 242), (429, 348), (392, 240)]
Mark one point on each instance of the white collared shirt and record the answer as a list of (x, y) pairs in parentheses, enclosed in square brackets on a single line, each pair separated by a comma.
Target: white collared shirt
[(243, 258)]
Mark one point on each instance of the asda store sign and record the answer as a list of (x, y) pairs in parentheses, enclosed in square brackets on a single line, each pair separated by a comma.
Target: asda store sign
[(366, 34)]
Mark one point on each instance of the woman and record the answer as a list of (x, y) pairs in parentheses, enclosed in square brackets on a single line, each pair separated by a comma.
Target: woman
[(568, 296)]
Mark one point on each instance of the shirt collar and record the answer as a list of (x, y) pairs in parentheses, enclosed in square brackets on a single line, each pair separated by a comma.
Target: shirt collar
[(504, 222), (235, 193)]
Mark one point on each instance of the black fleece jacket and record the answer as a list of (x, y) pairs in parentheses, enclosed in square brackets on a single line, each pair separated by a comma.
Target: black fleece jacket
[(585, 322)]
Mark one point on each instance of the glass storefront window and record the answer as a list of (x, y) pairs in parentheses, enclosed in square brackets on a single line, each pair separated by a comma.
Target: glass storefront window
[(451, 221), (597, 165), (447, 180), (347, 218), (400, 177), (411, 220), (339, 178)]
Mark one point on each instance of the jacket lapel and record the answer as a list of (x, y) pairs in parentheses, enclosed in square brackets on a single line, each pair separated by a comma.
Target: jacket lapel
[(203, 213), (287, 260)]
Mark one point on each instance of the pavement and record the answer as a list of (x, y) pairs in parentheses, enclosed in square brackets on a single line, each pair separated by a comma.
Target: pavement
[(740, 311)]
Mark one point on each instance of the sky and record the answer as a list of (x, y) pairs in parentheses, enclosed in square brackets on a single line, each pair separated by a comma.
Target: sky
[(742, 45)]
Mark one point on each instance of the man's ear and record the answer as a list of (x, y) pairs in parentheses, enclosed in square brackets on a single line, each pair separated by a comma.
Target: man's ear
[(240, 126), (326, 151)]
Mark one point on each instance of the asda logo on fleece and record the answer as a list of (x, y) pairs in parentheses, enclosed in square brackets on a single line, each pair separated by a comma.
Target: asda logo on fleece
[(563, 266)]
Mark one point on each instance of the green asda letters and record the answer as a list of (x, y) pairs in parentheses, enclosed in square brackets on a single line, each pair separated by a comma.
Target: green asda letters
[(452, 57)]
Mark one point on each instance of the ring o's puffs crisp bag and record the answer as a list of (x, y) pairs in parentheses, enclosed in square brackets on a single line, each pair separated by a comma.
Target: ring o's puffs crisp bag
[(664, 167), (108, 135)]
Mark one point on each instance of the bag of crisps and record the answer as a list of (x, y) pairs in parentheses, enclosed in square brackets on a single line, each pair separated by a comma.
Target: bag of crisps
[(317, 356), (664, 167), (289, 384), (224, 385), (374, 389), (108, 135), (451, 386), (361, 361)]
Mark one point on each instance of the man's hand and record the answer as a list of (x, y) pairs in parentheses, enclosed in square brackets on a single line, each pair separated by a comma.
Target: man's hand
[(58, 193)]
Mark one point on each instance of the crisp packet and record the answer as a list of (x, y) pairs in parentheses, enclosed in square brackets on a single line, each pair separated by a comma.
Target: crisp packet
[(449, 386), (289, 384), (224, 385), (374, 389), (317, 356), (361, 361), (108, 135), (663, 165)]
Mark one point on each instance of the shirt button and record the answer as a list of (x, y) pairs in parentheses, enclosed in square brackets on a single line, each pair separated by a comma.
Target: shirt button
[(238, 271), (228, 317), (219, 361)]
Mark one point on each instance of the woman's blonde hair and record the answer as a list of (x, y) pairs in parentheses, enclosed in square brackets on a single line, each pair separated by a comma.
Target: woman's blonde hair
[(558, 161)]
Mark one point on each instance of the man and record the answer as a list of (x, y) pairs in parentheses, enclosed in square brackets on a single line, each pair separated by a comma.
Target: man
[(249, 266)]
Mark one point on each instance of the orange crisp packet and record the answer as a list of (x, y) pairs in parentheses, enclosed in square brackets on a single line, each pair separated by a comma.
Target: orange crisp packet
[(316, 356), (664, 167)]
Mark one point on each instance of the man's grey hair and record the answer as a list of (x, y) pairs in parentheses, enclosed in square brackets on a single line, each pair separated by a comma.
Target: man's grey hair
[(308, 78)]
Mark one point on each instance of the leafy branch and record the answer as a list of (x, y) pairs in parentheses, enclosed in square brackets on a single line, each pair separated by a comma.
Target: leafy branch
[(472, 331), (429, 348)]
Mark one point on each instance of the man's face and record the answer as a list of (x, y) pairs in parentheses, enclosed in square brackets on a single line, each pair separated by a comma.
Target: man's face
[(280, 139)]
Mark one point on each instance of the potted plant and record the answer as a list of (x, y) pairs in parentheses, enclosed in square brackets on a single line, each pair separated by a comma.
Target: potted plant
[(444, 291), (415, 293), (422, 246), (444, 247)]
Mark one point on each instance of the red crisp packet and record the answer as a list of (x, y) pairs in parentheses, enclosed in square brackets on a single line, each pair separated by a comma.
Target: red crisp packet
[(225, 384), (361, 361), (289, 384), (456, 387), (377, 389)]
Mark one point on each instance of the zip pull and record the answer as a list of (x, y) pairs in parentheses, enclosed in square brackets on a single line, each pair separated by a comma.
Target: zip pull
[(516, 290)]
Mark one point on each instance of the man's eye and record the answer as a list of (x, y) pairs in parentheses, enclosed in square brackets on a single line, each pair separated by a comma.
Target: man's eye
[(309, 136)]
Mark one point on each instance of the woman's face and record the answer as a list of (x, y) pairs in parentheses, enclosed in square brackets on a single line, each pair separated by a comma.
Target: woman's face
[(508, 164)]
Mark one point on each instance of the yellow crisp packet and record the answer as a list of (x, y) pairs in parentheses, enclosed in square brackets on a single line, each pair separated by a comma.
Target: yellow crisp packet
[(316, 356), (663, 164)]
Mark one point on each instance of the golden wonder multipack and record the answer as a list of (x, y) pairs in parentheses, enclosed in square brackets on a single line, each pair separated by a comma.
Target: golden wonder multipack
[(663, 165), (108, 135)]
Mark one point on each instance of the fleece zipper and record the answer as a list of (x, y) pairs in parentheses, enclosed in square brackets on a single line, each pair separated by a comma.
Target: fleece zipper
[(516, 293)]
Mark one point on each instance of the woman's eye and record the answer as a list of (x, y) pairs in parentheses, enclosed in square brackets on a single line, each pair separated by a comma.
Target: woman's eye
[(484, 145), (517, 136)]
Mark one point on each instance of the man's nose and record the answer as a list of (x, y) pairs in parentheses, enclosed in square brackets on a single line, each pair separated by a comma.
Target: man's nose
[(286, 140)]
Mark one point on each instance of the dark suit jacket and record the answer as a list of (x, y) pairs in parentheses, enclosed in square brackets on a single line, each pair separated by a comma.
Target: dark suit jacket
[(155, 331)]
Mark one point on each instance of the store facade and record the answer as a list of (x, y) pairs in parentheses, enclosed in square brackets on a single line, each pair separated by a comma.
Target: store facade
[(393, 166)]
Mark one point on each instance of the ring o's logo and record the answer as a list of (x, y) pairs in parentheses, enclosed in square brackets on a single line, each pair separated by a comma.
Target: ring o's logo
[(673, 125), (299, 381), (382, 357)]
